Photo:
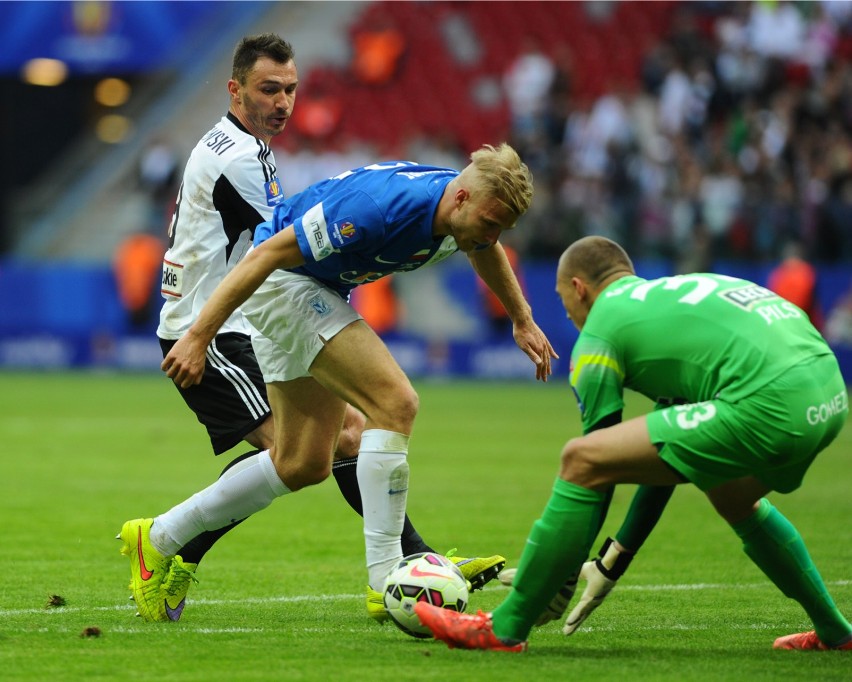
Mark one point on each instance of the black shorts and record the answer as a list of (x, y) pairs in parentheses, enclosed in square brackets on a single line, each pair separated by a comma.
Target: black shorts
[(231, 400)]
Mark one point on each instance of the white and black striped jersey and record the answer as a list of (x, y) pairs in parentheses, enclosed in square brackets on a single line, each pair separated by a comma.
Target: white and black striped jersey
[(229, 186)]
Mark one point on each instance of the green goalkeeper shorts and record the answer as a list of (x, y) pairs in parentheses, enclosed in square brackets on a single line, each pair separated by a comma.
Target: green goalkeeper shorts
[(773, 435)]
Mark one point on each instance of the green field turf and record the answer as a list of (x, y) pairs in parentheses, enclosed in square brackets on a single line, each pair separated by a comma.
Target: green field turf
[(281, 598)]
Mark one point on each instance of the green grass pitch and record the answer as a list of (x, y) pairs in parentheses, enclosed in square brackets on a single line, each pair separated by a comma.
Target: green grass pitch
[(281, 598)]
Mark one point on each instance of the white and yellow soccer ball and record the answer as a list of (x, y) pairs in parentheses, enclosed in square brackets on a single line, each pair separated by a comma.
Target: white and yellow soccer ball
[(428, 577)]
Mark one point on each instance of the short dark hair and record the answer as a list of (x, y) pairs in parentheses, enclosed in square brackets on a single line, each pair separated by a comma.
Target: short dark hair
[(594, 259), (252, 48)]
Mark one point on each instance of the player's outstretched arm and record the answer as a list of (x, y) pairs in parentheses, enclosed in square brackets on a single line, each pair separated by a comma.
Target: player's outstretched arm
[(493, 267), (184, 363)]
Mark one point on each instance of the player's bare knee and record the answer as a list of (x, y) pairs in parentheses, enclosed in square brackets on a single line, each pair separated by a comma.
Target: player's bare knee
[(733, 511), (407, 406), (348, 444), (396, 409), (299, 470), (308, 474), (349, 440), (578, 464)]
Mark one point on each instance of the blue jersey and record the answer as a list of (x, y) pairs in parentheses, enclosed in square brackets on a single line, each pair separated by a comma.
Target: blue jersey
[(365, 223)]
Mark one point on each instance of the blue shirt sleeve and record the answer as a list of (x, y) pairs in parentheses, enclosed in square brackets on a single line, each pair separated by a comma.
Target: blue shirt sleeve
[(342, 222)]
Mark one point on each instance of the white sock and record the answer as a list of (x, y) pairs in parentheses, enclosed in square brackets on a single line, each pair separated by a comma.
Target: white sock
[(383, 479), (245, 488)]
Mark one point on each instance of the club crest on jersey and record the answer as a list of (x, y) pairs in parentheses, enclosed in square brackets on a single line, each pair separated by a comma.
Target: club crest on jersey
[(320, 306), (343, 232), (274, 193)]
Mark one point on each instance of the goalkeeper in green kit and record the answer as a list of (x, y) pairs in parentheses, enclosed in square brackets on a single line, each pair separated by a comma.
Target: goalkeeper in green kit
[(747, 394)]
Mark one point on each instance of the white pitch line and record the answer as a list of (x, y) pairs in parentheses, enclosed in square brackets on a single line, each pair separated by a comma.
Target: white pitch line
[(59, 610)]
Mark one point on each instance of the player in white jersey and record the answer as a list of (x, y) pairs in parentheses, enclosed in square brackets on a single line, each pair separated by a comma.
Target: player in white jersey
[(229, 186)]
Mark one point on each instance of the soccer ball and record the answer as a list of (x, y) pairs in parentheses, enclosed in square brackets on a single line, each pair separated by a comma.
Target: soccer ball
[(425, 577)]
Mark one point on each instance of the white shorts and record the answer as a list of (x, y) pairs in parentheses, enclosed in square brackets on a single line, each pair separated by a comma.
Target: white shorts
[(292, 315)]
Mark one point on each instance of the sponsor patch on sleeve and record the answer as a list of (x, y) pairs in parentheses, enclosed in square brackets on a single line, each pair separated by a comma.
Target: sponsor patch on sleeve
[(172, 284), (316, 232)]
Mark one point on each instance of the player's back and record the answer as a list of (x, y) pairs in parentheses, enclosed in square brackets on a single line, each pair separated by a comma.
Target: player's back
[(697, 336)]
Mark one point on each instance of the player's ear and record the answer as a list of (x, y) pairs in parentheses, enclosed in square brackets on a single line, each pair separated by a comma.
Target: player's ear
[(233, 88), (462, 195)]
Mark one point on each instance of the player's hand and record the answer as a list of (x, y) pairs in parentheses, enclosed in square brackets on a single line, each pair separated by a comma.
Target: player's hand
[(600, 575), (559, 603), (184, 363), (536, 345)]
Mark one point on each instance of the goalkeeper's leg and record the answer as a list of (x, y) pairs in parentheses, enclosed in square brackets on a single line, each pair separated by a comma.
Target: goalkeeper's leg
[(557, 545), (615, 555), (774, 544)]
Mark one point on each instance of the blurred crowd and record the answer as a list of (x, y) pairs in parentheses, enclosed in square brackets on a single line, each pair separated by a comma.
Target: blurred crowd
[(728, 137), (734, 143)]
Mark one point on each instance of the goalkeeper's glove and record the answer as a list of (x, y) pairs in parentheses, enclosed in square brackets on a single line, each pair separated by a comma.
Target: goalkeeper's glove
[(600, 575)]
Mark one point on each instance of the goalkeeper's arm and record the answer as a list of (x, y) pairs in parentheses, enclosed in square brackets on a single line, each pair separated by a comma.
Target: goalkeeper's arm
[(615, 556), (600, 574)]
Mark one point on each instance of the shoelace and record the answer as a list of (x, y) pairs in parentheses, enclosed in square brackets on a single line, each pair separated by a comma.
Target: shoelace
[(177, 578)]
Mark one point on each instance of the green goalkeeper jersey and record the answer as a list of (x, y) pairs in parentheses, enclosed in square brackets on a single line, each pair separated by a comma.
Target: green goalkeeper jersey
[(687, 338)]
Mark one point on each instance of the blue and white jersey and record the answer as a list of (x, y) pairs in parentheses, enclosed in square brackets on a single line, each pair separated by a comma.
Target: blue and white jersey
[(365, 223)]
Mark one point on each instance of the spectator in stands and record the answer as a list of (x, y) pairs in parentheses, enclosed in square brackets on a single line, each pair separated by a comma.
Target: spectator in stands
[(317, 118), (159, 175), (378, 304), (136, 266), (526, 84), (795, 279), (378, 49), (776, 29), (838, 326)]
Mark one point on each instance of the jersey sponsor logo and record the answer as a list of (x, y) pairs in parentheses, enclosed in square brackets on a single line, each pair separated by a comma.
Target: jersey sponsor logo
[(343, 233), (413, 262), (819, 414), (774, 312), (769, 305), (358, 277), (172, 283), (320, 305), (316, 230), (274, 193), (217, 141), (447, 247), (748, 296)]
